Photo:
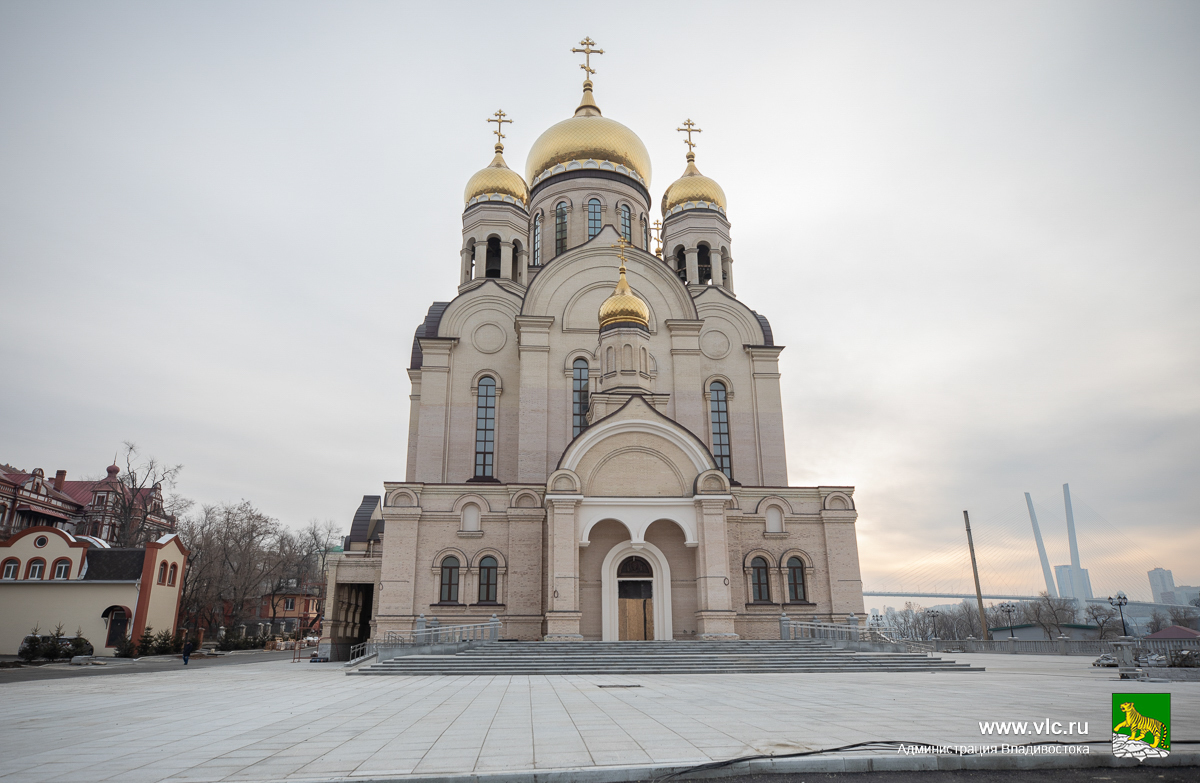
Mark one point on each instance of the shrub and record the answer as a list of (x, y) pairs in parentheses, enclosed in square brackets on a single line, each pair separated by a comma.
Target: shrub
[(52, 645), (145, 642), (242, 643), (80, 645), (124, 648), (31, 646), (164, 643)]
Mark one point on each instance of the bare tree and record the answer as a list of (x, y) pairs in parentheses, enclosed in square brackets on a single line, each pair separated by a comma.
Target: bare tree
[(1105, 618), (1181, 615), (1050, 613), (137, 506), (1158, 621)]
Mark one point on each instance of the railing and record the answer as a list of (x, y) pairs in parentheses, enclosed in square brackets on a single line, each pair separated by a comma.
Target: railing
[(427, 638), (1063, 646)]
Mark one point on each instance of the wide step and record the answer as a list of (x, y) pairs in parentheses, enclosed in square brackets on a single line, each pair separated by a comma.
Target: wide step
[(682, 657)]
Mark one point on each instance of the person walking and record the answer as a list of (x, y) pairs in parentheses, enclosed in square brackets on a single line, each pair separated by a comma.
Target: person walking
[(187, 650)]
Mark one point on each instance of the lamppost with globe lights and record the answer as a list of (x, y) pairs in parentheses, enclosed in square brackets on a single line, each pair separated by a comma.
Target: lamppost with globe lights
[(933, 615), (1119, 602), (1008, 608)]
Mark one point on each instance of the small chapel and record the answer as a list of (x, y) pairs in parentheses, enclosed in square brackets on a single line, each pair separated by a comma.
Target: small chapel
[(596, 442)]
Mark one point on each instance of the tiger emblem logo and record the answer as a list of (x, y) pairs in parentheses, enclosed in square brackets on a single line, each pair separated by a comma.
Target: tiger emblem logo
[(1142, 725)]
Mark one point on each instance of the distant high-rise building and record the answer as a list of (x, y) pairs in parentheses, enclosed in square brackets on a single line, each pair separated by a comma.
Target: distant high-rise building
[(1161, 581), (1185, 594), (1072, 582)]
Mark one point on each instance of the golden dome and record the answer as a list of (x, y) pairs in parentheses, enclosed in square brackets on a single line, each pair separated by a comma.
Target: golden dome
[(588, 141), (624, 305), (497, 183), (692, 191)]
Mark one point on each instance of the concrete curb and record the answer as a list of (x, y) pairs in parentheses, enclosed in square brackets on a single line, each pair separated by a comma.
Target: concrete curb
[(874, 762)]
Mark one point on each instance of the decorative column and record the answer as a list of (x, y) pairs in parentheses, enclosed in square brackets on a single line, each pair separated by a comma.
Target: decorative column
[(715, 260), (465, 270), (562, 571), (522, 262), (506, 260), (728, 274), (480, 260), (693, 265), (715, 613), (533, 347), (435, 408)]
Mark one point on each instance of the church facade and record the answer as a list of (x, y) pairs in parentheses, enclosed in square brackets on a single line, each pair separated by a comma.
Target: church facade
[(595, 445)]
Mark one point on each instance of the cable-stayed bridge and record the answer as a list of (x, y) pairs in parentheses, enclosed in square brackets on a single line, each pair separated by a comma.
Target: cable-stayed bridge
[(1015, 564)]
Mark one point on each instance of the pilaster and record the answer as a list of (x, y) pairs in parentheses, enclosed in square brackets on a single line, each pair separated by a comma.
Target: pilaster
[(414, 425), (562, 589), (687, 398), (435, 409), (715, 613), (693, 265), (480, 260), (768, 414), (506, 260), (533, 346)]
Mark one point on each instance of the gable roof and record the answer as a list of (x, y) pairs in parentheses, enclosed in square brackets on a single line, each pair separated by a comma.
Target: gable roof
[(1175, 632)]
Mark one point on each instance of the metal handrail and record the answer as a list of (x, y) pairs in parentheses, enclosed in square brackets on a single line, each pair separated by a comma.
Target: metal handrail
[(426, 634)]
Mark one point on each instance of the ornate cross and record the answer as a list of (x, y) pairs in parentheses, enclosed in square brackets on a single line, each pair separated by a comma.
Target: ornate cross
[(622, 243), (689, 128), (587, 51), (657, 229), (498, 118)]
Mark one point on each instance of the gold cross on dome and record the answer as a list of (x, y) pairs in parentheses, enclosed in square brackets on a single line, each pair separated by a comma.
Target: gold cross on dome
[(689, 128), (587, 51), (657, 229), (498, 118), (622, 243)]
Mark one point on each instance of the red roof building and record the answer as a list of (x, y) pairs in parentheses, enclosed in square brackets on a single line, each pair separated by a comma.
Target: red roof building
[(1175, 632), (82, 508)]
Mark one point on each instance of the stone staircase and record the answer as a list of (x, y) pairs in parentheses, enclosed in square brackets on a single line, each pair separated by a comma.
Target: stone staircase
[(677, 657)]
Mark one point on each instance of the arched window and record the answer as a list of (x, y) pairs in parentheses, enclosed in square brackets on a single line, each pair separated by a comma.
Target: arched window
[(472, 271), (593, 217), (720, 428), (704, 264), (626, 224), (62, 569), (579, 396), (485, 428), (627, 357), (449, 594), (36, 569), (162, 572), (681, 264), (608, 359), (470, 517), (795, 580), (488, 571), (492, 265), (537, 241), (645, 362), (560, 228), (11, 569), (645, 235), (759, 580), (172, 574), (774, 520)]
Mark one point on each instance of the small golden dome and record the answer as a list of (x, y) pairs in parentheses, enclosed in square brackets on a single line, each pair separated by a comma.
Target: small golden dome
[(624, 305), (693, 188), (496, 182), (585, 141)]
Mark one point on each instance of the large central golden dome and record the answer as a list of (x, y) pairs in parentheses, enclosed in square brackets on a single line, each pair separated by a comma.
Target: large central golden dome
[(588, 141)]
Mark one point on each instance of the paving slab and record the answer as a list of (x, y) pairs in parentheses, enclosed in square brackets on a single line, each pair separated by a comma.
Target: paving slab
[(299, 722)]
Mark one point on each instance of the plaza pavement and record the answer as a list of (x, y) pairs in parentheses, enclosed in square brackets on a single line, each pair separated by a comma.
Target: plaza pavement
[(283, 721)]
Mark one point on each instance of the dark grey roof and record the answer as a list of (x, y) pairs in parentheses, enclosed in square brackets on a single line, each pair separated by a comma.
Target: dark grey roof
[(361, 528), (768, 336), (114, 564), (428, 328)]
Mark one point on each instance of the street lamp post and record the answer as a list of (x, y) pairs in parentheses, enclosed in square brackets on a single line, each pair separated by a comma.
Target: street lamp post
[(1008, 608), (1119, 602), (933, 615)]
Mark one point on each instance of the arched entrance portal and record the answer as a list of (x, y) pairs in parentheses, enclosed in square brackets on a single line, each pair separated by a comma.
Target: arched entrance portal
[(635, 600), (644, 568)]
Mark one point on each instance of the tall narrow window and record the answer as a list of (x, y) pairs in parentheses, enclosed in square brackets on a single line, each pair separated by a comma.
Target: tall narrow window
[(37, 569), (492, 266), (62, 569), (704, 264), (537, 241), (759, 580), (485, 428), (560, 228), (681, 264), (449, 594), (487, 580), (593, 217), (579, 397), (626, 224), (162, 572), (720, 427), (11, 568), (795, 580), (172, 575), (645, 235)]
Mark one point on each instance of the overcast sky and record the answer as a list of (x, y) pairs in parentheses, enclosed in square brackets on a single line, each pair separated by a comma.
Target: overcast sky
[(974, 226)]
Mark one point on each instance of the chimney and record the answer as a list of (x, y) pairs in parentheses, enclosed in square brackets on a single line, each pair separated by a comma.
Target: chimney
[(59, 478)]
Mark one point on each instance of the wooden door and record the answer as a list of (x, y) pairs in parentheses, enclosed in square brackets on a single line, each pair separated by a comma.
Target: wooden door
[(635, 607)]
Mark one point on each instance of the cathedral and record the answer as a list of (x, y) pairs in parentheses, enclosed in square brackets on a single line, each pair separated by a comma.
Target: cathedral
[(596, 442)]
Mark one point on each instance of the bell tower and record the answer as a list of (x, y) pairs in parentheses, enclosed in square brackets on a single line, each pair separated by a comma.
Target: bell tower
[(695, 230)]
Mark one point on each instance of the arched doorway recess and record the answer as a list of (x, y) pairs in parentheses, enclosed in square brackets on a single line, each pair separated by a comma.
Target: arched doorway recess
[(635, 600), (658, 624)]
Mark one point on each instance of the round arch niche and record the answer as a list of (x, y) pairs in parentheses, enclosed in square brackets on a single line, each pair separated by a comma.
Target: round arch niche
[(660, 579)]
